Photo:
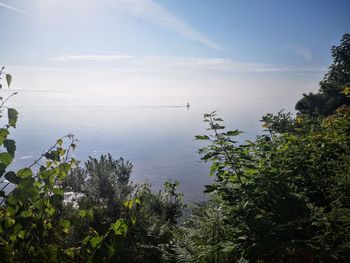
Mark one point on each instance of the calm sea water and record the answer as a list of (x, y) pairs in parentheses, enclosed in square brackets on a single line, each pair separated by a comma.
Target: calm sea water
[(152, 129)]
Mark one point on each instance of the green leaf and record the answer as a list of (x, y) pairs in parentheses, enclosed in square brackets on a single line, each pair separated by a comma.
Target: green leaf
[(90, 213), (210, 188), (25, 172), (3, 135), (8, 79), (9, 222), (233, 133), (10, 146), (58, 191), (61, 151), (228, 247), (346, 91), (59, 142), (82, 213), (116, 226), (201, 137), (128, 204), (119, 227), (138, 201), (95, 241), (37, 184), (26, 214), (110, 251), (12, 210), (12, 116), (13, 238), (11, 177), (2, 169), (69, 252), (133, 219), (65, 223), (50, 210), (53, 155), (6, 158)]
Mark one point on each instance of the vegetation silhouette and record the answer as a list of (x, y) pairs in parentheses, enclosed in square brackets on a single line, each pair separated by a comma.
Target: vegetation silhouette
[(330, 95)]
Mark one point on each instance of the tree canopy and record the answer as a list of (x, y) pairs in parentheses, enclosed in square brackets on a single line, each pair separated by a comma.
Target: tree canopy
[(330, 95)]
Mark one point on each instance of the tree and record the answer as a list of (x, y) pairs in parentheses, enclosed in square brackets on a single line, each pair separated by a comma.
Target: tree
[(330, 95), (102, 188), (281, 198)]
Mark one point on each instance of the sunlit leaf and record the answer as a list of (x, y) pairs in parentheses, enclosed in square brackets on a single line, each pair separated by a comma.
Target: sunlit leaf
[(6, 158), (95, 241), (25, 172), (59, 142), (3, 135), (26, 213)]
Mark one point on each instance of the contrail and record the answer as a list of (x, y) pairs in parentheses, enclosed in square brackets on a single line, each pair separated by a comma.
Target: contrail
[(13, 8)]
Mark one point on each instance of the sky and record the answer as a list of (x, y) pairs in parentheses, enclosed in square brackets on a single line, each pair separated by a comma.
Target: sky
[(158, 46)]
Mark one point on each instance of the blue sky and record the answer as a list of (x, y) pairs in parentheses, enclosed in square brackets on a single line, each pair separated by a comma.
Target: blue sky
[(283, 33), (153, 42)]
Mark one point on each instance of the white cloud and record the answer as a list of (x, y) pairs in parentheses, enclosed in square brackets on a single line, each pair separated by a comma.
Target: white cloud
[(149, 10), (91, 58), (221, 64), (13, 8), (301, 52), (26, 157)]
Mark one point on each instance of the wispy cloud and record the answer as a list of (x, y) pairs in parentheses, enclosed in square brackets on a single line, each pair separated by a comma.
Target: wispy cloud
[(91, 58), (177, 63), (222, 64), (301, 52), (13, 8), (151, 11)]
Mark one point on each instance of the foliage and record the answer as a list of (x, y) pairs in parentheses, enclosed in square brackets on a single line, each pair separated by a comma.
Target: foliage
[(102, 187), (150, 238), (205, 235), (282, 197), (330, 95), (29, 217)]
